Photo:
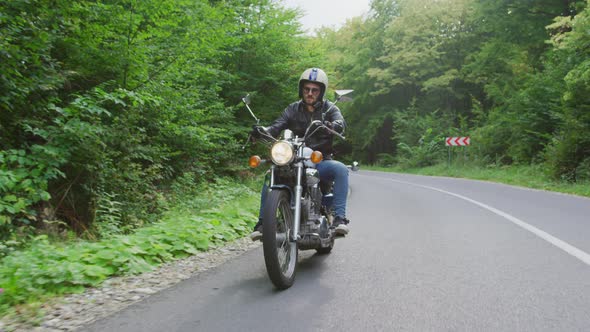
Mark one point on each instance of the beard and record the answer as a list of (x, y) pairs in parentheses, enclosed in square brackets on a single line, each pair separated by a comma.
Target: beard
[(312, 101)]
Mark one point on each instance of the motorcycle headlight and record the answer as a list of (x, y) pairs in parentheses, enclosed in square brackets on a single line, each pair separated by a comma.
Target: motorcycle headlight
[(282, 153)]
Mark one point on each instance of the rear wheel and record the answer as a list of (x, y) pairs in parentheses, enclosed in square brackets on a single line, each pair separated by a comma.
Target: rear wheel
[(280, 253)]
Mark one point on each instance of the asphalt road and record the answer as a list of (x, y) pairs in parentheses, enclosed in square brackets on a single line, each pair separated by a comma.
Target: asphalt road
[(424, 254)]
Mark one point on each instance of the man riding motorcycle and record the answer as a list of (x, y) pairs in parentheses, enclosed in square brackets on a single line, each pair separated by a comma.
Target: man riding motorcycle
[(297, 117)]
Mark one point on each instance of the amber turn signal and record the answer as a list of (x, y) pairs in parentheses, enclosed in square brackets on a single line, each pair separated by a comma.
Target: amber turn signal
[(254, 161), (316, 157)]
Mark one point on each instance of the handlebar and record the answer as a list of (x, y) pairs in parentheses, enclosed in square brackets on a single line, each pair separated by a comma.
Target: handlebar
[(319, 125), (264, 135)]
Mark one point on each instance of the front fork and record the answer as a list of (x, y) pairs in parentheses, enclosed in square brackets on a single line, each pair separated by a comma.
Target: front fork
[(298, 192), (297, 207)]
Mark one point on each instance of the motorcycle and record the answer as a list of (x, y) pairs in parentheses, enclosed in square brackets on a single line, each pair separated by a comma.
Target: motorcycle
[(297, 212)]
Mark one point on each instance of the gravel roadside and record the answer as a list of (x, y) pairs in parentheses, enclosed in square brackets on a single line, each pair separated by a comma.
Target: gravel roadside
[(72, 312)]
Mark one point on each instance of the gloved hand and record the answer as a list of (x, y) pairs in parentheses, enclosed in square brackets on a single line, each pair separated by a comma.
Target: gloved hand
[(336, 125), (255, 132), (258, 132)]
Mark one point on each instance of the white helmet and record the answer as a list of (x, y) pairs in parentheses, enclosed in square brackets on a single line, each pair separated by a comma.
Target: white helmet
[(314, 75)]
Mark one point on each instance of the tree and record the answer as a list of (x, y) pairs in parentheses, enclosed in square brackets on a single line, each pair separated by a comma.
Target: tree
[(568, 155)]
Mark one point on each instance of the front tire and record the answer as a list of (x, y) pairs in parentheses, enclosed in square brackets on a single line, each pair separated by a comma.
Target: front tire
[(280, 253)]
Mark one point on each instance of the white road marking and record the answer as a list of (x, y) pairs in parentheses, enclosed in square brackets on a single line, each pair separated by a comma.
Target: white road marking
[(577, 253)]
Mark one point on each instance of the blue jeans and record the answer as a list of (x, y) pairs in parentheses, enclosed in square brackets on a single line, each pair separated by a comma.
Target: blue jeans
[(330, 170)]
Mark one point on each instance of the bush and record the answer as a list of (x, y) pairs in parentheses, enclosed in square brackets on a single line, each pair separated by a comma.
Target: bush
[(24, 178), (46, 269), (427, 152)]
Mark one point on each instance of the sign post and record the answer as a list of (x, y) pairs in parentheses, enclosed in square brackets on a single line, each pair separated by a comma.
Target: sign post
[(456, 141)]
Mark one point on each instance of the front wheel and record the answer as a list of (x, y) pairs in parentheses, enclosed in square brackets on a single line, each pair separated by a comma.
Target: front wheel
[(280, 253)]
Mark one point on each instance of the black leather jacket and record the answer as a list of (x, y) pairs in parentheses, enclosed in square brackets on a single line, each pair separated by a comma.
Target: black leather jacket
[(297, 118)]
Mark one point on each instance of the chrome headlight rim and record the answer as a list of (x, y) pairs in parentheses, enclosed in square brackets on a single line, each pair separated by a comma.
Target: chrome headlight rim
[(282, 153)]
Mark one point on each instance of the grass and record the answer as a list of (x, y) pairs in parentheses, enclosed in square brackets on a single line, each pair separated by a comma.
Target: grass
[(47, 269), (523, 176)]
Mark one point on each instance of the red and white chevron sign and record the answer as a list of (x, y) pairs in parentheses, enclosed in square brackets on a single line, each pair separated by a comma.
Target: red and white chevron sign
[(458, 141)]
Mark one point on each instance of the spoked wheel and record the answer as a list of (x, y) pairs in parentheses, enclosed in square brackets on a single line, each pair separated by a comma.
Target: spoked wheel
[(280, 253)]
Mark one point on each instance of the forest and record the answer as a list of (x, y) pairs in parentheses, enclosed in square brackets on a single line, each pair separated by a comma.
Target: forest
[(109, 108)]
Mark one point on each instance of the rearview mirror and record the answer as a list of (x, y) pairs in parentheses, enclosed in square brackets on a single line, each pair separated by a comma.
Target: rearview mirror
[(354, 167), (246, 99), (340, 95)]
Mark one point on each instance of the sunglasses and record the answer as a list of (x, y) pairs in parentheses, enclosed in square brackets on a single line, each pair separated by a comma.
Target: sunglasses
[(314, 91)]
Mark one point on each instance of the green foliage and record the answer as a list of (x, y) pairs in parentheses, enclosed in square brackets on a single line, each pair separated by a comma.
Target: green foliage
[(108, 217), (30, 76), (568, 152), (106, 138), (495, 137), (123, 97), (112, 102), (420, 138), (512, 74), (427, 152), (269, 55), (46, 268), (385, 160), (351, 52), (24, 179)]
